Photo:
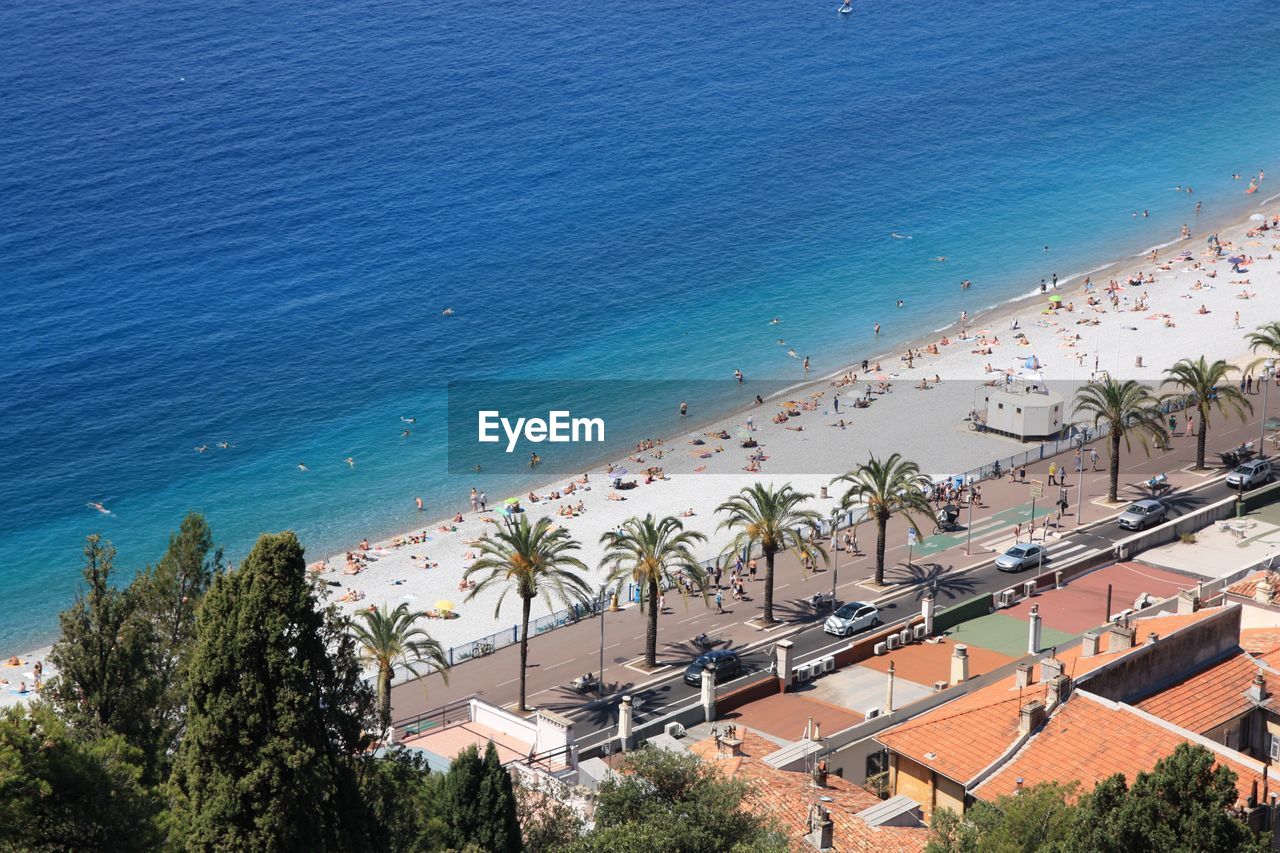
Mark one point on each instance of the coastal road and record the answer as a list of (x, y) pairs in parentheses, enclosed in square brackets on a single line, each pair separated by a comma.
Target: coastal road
[(937, 561)]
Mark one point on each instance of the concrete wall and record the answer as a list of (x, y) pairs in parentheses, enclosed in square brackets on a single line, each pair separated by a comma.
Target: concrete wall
[(1145, 670), (919, 783), (948, 618), (738, 697)]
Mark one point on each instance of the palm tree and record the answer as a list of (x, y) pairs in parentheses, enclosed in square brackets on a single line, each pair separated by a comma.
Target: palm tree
[(1265, 337), (652, 553), (887, 487), (1201, 379), (771, 518), (534, 560), (391, 639), (1123, 406)]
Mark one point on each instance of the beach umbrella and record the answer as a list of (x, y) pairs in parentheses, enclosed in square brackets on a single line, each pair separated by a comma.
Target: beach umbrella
[(1258, 217), (1055, 298), (1235, 259), (445, 604), (617, 473)]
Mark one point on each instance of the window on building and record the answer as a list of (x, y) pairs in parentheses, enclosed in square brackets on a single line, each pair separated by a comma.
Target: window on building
[(1274, 748)]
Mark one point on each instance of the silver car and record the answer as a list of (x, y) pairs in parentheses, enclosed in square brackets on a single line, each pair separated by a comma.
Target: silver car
[(1250, 474), (852, 618), (1026, 555), (1143, 514)]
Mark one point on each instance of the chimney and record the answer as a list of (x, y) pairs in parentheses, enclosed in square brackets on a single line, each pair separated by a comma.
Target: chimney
[(1153, 638), (709, 694), (1017, 786), (1059, 690), (783, 650), (1024, 675), (1089, 644), (820, 774), (820, 827), (1265, 589), (625, 711), (1188, 602), (1050, 668), (1120, 638), (959, 664), (1030, 717), (888, 698), (1258, 690)]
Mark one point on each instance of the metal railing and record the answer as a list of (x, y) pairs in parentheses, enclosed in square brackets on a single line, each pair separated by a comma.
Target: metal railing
[(436, 718), (487, 645)]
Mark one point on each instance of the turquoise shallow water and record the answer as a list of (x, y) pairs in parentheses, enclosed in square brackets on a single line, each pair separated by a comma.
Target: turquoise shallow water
[(241, 222)]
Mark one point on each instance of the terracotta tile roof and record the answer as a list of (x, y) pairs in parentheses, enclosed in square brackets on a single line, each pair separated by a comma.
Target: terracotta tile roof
[(1260, 641), (786, 797), (963, 737), (1070, 749), (1247, 587), (1213, 696)]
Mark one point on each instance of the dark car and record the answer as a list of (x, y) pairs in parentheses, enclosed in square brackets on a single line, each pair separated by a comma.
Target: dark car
[(727, 665)]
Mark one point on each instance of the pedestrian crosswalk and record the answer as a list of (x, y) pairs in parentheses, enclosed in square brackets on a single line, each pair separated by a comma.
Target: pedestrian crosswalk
[(1060, 553)]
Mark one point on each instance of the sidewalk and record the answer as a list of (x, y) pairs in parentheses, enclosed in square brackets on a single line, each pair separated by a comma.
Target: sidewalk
[(558, 656)]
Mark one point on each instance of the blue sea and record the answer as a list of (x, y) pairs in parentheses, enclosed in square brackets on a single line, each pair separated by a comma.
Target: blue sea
[(241, 221)]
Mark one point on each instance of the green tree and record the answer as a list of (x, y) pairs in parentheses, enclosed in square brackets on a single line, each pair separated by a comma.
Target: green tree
[(168, 597), (887, 487), (403, 797), (652, 553), (548, 821), (1125, 407), (1040, 817), (105, 656), (531, 560), (275, 716), (772, 519), (63, 790), (1266, 337), (478, 802), (391, 639), (673, 801), (1201, 379), (1181, 805)]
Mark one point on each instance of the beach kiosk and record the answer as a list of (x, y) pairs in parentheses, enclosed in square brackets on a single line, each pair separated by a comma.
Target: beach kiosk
[(1025, 408)]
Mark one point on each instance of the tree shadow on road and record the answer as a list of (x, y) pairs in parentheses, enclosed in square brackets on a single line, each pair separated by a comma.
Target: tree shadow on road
[(931, 577)]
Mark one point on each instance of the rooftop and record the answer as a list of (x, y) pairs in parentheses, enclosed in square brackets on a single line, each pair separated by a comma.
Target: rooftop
[(1215, 695), (1069, 749), (1248, 587), (787, 796), (963, 737)]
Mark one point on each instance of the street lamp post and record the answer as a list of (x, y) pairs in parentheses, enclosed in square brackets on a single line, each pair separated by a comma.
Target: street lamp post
[(600, 683), (1268, 369), (835, 553)]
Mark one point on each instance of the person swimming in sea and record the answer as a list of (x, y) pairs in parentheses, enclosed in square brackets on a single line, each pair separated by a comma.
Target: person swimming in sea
[(351, 461), (895, 235), (302, 466), (202, 448), (224, 445), (99, 507)]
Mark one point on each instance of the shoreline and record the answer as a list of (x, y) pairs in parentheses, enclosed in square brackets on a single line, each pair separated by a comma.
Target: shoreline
[(1071, 287)]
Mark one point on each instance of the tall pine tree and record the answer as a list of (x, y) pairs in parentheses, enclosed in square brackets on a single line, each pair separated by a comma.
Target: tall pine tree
[(276, 712), (478, 803)]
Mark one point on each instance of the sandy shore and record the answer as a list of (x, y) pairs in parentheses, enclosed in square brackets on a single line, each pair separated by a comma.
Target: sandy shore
[(1157, 322)]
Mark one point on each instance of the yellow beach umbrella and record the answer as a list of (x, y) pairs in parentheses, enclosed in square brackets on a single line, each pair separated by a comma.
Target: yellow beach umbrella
[(444, 604)]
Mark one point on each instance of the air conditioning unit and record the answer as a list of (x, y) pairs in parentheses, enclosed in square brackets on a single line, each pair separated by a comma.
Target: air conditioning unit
[(918, 631), (1004, 598), (939, 686), (904, 636), (879, 649), (894, 641), (674, 730), (1122, 616), (803, 673), (829, 663), (1029, 588), (871, 713)]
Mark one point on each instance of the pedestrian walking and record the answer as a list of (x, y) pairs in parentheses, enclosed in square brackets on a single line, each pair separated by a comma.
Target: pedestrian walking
[(1079, 461), (662, 602), (475, 500), (484, 502), (1063, 502), (1017, 532), (1093, 458), (1191, 424), (751, 570), (716, 576), (719, 601), (1022, 472), (1053, 472)]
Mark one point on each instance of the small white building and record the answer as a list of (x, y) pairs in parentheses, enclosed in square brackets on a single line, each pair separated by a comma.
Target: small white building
[(1026, 409)]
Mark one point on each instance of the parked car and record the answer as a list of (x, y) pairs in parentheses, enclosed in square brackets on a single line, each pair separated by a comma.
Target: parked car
[(852, 618), (1143, 514), (727, 665), (1250, 474), (1022, 556)]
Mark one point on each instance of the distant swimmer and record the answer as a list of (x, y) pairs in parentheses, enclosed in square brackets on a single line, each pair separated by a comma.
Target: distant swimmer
[(404, 434), (448, 312), (202, 448), (792, 353), (775, 321), (895, 235), (351, 461), (302, 466), (99, 507), (224, 445), (940, 258), (900, 303), (781, 342), (408, 420)]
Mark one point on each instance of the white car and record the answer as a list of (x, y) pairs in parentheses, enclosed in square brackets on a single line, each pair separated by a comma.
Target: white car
[(852, 618), (1021, 557), (1250, 474)]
